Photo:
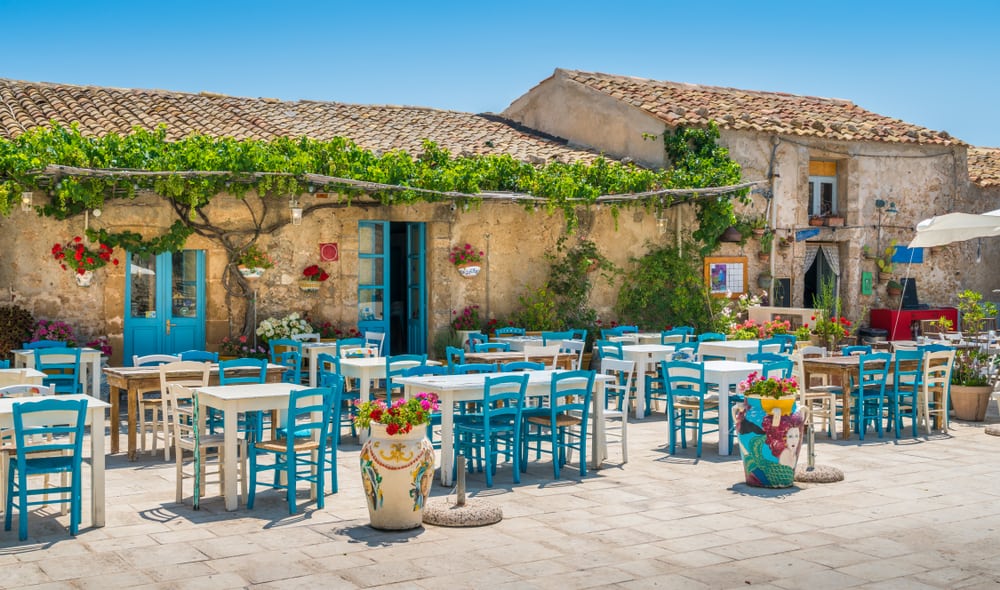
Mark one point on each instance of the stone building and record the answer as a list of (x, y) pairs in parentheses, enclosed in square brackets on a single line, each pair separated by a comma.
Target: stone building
[(823, 157), (846, 156)]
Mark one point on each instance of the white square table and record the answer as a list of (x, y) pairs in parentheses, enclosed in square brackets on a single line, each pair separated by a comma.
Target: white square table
[(642, 337), (519, 342), (231, 400), (90, 367), (312, 351), (19, 376), (725, 374), (369, 369), (456, 388), (95, 418), (733, 350), (645, 357)]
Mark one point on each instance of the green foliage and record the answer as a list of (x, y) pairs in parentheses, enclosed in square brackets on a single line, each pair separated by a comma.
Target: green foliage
[(16, 324), (698, 161), (884, 261), (537, 311), (666, 288), (974, 310), (570, 281), (133, 243), (767, 241), (971, 368)]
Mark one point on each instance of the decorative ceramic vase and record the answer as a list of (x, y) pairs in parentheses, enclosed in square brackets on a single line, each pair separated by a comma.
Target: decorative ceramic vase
[(83, 280), (770, 438), (396, 472), (309, 285), (251, 272), (469, 270)]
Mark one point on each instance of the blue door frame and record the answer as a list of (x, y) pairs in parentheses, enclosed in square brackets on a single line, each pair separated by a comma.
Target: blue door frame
[(164, 303)]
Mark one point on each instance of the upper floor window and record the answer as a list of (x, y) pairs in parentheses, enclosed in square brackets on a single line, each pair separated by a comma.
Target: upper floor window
[(822, 188)]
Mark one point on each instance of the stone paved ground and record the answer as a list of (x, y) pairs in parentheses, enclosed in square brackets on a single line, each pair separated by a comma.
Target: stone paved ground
[(914, 513)]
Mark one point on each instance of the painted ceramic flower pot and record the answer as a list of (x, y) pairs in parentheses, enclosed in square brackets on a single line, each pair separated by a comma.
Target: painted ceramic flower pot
[(309, 285), (83, 279), (397, 471), (770, 437), (468, 270), (251, 272)]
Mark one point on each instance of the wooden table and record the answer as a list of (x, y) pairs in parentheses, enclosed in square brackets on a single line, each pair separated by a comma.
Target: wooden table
[(233, 399), (501, 357), (456, 388), (733, 350), (95, 418), (134, 380), (845, 367), (90, 367), (726, 374), (645, 357)]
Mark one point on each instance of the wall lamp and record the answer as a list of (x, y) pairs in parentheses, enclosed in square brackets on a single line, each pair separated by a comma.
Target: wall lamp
[(27, 199), (296, 208)]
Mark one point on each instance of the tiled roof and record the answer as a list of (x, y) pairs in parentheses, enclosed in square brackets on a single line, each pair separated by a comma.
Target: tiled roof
[(773, 112), (100, 111), (984, 166)]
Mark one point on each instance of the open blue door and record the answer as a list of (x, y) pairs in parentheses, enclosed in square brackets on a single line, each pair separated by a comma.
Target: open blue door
[(416, 324), (164, 303), (373, 279)]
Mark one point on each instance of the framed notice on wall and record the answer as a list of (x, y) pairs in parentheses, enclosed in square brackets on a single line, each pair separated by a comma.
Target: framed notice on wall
[(726, 275)]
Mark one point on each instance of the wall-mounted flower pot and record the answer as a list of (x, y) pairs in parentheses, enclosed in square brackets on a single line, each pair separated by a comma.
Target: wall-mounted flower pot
[(731, 235), (468, 270), (309, 285), (835, 221), (84, 279), (251, 272), (816, 221)]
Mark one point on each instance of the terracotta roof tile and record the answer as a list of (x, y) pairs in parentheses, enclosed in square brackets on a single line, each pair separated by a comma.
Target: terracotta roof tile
[(984, 166), (773, 112), (100, 111)]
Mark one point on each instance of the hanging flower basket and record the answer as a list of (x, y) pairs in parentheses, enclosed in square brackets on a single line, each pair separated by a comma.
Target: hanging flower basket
[(251, 272), (83, 279), (306, 285), (469, 270)]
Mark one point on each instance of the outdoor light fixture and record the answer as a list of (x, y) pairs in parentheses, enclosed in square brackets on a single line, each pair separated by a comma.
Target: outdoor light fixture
[(889, 209), (293, 204), (26, 201)]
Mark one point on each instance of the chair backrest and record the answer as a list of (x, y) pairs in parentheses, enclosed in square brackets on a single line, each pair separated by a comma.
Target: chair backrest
[(510, 331), (628, 330), (43, 344), (778, 369), (292, 361), (309, 337), (770, 345), (873, 370), (420, 370), (516, 366), (491, 347), (201, 356), (396, 364), (787, 342), (303, 407), (49, 425), (244, 370), (503, 397), (375, 340), (574, 348), (538, 352), (608, 333), (907, 367), (687, 351), (812, 351), (765, 357), (280, 345), (711, 337), (673, 336), (455, 356), (345, 344), (469, 368), (608, 349), (579, 334), (153, 360), (935, 347), (683, 378), (62, 368), (25, 390), (327, 369), (570, 392), (856, 350), (186, 373), (623, 372), (552, 337), (937, 370)]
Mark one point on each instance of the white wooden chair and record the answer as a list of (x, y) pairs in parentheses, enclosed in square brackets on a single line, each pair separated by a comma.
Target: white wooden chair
[(174, 372), (535, 352), (151, 401), (185, 434), (933, 394), (310, 337), (821, 399), (573, 348), (375, 340), (623, 372)]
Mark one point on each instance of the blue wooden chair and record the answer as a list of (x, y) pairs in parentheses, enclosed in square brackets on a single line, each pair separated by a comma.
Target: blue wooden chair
[(516, 366), (376, 340), (293, 455), (61, 367), (288, 353), (787, 342), (435, 417), (608, 349), (5, 364), (778, 369), (765, 357), (673, 336), (336, 384), (563, 424), (856, 350), (467, 368), (491, 347), (868, 392), (688, 332), (498, 424), (394, 367), (43, 344), (510, 331), (686, 352), (455, 356), (236, 372), (201, 356), (711, 337), (328, 374), (579, 334), (773, 345), (48, 434), (345, 344), (556, 337), (475, 338), (687, 391), (907, 371)]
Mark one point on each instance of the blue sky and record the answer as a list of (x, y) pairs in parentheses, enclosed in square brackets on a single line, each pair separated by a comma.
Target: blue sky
[(934, 65)]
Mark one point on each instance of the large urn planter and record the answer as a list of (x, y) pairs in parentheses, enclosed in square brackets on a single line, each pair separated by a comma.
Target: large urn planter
[(970, 401), (770, 438), (396, 472)]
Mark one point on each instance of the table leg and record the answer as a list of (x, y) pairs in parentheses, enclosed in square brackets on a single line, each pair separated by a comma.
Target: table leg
[(447, 403), (640, 391), (97, 500), (366, 388), (312, 368), (230, 417), (724, 415), (599, 442), (845, 401), (133, 402), (95, 378), (116, 395)]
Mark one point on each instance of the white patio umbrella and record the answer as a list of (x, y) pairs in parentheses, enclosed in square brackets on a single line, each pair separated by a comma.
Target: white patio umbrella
[(956, 227)]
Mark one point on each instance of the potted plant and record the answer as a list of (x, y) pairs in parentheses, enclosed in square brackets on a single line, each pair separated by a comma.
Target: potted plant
[(884, 261), (240, 347), (313, 277), (868, 252), (770, 430), (466, 259), (253, 262), (84, 261), (286, 327), (894, 288), (397, 460), (766, 244), (970, 384), (466, 322)]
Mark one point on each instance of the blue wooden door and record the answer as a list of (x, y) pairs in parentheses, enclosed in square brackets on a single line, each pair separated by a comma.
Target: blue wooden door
[(373, 279), (416, 304), (164, 303)]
